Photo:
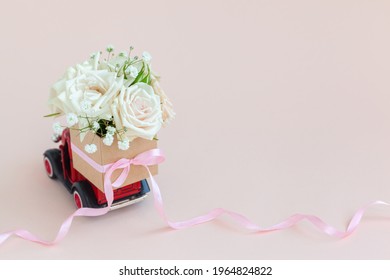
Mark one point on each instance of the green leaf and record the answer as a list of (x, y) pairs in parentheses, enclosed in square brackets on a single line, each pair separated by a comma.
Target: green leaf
[(139, 76), (146, 78), (52, 115)]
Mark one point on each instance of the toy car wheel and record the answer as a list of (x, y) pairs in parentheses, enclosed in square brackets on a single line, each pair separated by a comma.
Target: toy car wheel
[(77, 199), (83, 195), (48, 167), (52, 163)]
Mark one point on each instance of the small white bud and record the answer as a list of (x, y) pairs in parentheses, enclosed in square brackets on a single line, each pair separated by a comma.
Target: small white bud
[(108, 140), (146, 57), (95, 126), (72, 119), (90, 148), (111, 130), (110, 48), (124, 144), (57, 128)]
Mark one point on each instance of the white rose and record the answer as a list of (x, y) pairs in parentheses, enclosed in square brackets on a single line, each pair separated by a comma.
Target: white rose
[(137, 109), (166, 106), (85, 90)]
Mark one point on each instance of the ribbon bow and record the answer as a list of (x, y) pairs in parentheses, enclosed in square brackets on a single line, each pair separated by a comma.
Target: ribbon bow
[(150, 157)]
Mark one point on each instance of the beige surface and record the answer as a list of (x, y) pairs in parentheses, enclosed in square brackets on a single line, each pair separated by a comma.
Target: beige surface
[(282, 107)]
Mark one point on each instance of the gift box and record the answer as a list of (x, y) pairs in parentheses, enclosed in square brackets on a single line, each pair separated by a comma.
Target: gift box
[(108, 155)]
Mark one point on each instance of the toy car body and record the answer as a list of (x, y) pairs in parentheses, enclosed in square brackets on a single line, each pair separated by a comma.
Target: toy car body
[(58, 165)]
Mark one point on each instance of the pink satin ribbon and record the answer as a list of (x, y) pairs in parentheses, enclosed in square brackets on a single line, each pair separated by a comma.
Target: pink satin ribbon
[(155, 156), (150, 157)]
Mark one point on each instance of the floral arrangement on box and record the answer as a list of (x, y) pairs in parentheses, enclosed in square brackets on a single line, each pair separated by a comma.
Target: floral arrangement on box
[(111, 96)]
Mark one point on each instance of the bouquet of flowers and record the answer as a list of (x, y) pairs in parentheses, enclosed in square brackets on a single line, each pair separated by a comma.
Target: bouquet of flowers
[(111, 96)]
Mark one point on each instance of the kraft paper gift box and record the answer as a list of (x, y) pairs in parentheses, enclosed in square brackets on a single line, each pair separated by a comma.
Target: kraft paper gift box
[(108, 155)]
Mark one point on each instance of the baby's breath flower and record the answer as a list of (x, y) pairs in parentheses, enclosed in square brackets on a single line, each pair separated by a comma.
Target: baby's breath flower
[(72, 119), (146, 57), (56, 138), (57, 128), (124, 144), (110, 130), (110, 48), (95, 126), (85, 105), (90, 148), (132, 71), (108, 140)]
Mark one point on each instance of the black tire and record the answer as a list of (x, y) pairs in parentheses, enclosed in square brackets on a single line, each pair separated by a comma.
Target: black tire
[(85, 193), (52, 163)]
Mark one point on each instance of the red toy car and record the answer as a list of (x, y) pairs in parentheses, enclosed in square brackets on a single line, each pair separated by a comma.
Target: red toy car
[(58, 165)]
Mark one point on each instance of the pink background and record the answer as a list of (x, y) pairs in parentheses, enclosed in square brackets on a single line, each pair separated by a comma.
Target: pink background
[(282, 107)]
